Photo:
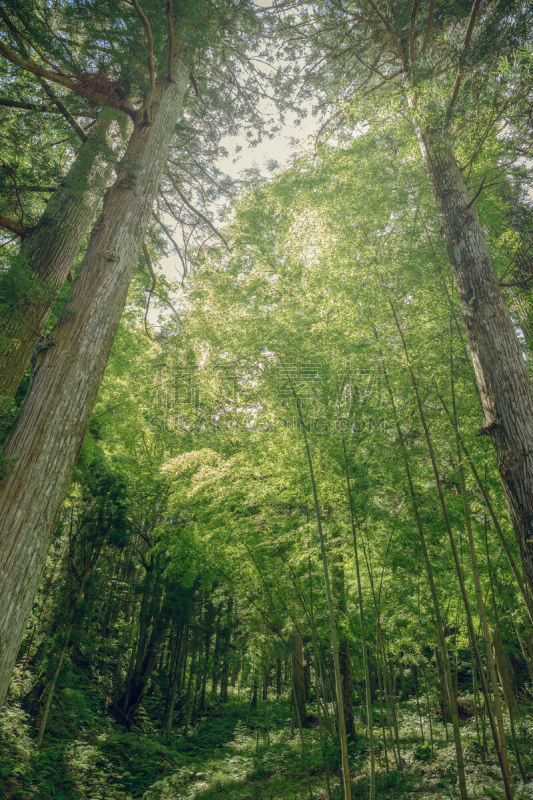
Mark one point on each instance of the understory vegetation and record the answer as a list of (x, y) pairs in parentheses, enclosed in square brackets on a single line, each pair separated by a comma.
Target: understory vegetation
[(236, 753)]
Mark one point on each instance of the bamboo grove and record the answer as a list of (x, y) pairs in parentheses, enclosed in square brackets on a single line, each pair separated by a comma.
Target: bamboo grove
[(266, 531)]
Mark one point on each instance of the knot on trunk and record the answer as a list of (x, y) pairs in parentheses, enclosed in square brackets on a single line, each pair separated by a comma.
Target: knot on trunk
[(486, 430)]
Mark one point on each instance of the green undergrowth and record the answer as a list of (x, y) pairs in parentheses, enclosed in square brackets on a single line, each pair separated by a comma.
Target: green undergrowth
[(236, 754)]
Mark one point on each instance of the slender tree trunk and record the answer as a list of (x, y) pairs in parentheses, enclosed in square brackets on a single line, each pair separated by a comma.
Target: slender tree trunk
[(524, 591), (175, 668), (192, 666), (344, 646), (368, 688), (46, 255), (215, 672), (298, 684), (48, 435), (383, 672), (278, 677), (439, 627), (499, 366), (346, 774), (500, 746), (126, 705), (226, 644), (50, 688), (208, 623), (491, 665)]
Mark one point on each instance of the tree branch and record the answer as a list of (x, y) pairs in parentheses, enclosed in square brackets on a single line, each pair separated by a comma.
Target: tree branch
[(475, 197), (414, 12), (170, 56), (394, 37), (195, 211), (64, 111), (8, 102), (76, 86), (429, 23), (12, 225), (150, 40), (151, 288), (462, 59)]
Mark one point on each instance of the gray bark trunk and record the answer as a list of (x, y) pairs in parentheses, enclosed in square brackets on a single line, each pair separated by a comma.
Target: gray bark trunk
[(46, 255), (500, 369), (46, 440)]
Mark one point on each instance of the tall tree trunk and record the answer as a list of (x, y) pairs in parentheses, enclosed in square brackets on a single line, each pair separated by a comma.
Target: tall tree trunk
[(174, 672), (368, 687), (500, 369), (346, 774), (489, 655), (439, 626), (344, 645), (46, 440), (46, 255), (298, 682), (50, 688), (126, 705), (278, 677), (208, 630), (501, 750), (226, 644)]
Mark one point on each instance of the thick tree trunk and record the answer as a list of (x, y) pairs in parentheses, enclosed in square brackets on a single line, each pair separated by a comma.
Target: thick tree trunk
[(48, 435), (501, 374), (46, 255)]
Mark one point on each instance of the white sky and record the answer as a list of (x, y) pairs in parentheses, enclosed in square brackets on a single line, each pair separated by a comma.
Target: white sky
[(291, 140)]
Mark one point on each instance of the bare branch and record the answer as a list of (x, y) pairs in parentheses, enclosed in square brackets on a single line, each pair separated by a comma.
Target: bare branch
[(394, 37), (462, 59), (151, 288), (64, 111), (150, 40), (429, 23), (195, 211), (414, 12), (475, 197), (8, 102), (170, 26)]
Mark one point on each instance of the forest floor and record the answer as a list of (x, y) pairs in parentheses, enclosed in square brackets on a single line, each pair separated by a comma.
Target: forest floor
[(236, 754)]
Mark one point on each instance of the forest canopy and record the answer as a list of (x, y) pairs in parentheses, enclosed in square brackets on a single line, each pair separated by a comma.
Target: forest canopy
[(266, 467)]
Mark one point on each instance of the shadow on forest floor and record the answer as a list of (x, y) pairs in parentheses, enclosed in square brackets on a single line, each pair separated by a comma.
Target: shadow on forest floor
[(235, 754)]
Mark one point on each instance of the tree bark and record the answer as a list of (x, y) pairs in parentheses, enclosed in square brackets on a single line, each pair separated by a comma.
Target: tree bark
[(344, 645), (47, 438), (46, 255), (226, 645), (127, 704), (499, 366), (174, 673), (298, 683)]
